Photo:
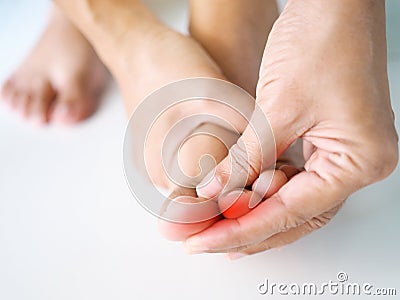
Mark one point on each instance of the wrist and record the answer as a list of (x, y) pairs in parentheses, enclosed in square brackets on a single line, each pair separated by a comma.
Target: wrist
[(349, 22)]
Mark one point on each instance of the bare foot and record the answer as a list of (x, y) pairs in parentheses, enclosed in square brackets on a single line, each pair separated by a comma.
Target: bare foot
[(60, 80), (143, 55)]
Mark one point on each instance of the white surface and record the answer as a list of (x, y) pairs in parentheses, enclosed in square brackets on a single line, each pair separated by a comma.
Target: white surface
[(69, 228)]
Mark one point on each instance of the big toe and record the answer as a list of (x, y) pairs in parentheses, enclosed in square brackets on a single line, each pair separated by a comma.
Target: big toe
[(11, 93), (6, 90), (72, 107), (179, 221)]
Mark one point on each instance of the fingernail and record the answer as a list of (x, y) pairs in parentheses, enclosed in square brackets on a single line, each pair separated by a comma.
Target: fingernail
[(213, 188), (235, 255), (255, 199), (194, 245)]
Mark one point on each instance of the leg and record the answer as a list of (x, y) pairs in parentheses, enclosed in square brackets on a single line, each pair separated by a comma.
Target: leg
[(139, 50), (144, 55), (61, 78), (234, 33)]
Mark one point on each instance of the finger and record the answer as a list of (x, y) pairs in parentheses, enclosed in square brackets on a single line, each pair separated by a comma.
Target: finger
[(290, 171), (241, 167), (238, 203), (255, 151), (304, 197), (284, 238), (268, 183)]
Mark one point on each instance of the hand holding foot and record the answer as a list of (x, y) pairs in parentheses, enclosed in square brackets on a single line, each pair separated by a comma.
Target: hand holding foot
[(336, 100)]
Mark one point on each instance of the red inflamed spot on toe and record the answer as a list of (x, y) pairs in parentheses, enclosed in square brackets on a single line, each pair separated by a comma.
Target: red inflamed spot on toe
[(181, 221), (237, 203)]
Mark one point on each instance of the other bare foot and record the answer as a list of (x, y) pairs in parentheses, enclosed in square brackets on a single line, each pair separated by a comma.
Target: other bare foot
[(61, 80)]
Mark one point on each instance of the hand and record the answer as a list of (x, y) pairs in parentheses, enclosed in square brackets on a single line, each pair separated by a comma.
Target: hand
[(323, 79)]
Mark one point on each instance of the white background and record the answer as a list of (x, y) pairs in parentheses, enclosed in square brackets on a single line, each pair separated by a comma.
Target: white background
[(70, 229)]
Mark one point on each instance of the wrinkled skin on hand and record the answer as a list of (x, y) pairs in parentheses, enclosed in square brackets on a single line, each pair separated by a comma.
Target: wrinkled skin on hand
[(324, 80)]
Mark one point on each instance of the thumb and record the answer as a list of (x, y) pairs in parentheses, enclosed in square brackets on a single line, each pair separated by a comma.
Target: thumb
[(255, 151)]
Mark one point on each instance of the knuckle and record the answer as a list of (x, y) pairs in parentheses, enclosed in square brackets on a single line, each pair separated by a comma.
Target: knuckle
[(318, 222), (291, 218), (383, 159), (238, 236), (323, 219), (243, 158)]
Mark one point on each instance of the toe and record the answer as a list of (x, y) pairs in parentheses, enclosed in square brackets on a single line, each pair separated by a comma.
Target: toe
[(42, 98), (18, 101), (70, 107), (10, 93), (179, 221), (30, 98), (7, 90), (13, 99), (24, 104)]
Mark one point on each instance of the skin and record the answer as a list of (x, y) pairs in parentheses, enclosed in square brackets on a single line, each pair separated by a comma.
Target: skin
[(333, 85), (238, 203), (129, 45), (331, 82), (234, 33), (66, 88), (140, 68), (230, 206)]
